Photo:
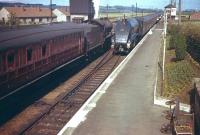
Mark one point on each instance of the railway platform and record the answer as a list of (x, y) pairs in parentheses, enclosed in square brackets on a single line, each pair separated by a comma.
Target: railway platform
[(126, 106)]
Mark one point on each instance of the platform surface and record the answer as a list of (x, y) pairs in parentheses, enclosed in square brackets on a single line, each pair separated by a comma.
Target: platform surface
[(127, 106)]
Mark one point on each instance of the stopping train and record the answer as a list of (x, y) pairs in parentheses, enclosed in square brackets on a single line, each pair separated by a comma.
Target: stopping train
[(127, 32), (29, 53)]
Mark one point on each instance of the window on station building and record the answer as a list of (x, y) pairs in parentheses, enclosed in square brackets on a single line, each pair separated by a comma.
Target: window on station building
[(10, 59), (40, 19), (44, 48), (29, 54), (32, 19)]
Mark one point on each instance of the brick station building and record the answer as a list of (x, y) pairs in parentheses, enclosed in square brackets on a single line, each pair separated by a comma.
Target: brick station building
[(195, 16), (27, 15)]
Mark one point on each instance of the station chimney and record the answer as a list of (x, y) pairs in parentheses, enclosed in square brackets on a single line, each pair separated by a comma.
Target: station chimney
[(82, 8)]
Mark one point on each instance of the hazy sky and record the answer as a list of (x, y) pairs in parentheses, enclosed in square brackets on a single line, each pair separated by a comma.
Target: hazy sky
[(187, 4)]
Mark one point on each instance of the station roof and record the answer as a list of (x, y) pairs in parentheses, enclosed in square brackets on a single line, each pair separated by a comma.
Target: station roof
[(30, 11), (30, 36)]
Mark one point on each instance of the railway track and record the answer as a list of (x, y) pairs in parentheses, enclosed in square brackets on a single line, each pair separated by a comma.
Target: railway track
[(53, 120)]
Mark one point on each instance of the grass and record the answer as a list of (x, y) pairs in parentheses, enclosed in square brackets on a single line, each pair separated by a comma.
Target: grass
[(114, 16), (178, 76), (191, 22)]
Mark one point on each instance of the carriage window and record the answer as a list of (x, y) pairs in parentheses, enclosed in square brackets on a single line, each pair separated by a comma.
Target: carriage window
[(1, 60), (1, 63), (44, 50), (29, 54), (10, 58)]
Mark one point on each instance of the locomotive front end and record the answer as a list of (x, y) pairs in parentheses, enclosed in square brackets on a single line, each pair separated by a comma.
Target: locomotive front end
[(121, 37)]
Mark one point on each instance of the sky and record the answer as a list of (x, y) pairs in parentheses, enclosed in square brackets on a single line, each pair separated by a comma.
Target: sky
[(187, 4)]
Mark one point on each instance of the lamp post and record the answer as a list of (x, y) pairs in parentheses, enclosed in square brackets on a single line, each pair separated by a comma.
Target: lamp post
[(51, 10), (164, 38)]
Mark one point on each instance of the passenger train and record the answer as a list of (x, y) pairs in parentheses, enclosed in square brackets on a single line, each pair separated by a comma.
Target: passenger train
[(127, 32), (29, 53)]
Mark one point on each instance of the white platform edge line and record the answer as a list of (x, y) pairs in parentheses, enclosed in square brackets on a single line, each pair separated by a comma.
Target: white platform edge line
[(102, 89)]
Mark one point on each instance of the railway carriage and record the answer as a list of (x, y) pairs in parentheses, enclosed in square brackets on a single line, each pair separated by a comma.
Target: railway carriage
[(32, 52), (146, 23), (27, 54)]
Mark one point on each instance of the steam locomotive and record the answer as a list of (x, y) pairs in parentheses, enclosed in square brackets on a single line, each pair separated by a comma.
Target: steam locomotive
[(127, 32)]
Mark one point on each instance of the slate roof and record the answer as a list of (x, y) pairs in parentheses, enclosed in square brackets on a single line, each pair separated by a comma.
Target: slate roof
[(30, 11), (19, 38)]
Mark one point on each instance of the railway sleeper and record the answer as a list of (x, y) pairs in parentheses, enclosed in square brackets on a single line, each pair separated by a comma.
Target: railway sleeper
[(90, 83), (80, 98), (43, 131), (93, 82), (103, 75), (83, 92)]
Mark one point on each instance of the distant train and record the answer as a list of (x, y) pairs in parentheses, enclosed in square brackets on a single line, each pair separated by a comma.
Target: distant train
[(127, 32), (26, 54)]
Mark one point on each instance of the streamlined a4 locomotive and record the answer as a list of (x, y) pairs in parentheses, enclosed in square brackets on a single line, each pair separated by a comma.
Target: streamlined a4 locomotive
[(127, 32)]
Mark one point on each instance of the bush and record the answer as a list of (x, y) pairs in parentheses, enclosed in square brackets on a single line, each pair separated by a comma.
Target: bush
[(172, 42), (181, 47), (173, 29)]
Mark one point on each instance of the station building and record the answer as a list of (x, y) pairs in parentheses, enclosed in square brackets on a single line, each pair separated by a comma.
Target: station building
[(171, 11), (27, 15), (195, 16), (62, 14), (81, 10)]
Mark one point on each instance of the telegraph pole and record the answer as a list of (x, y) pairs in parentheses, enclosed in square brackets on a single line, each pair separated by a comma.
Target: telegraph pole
[(136, 9), (142, 13), (132, 10), (107, 11), (90, 11), (165, 23), (179, 16), (164, 37), (51, 10)]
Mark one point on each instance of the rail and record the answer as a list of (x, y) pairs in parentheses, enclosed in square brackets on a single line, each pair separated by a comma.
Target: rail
[(70, 100)]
